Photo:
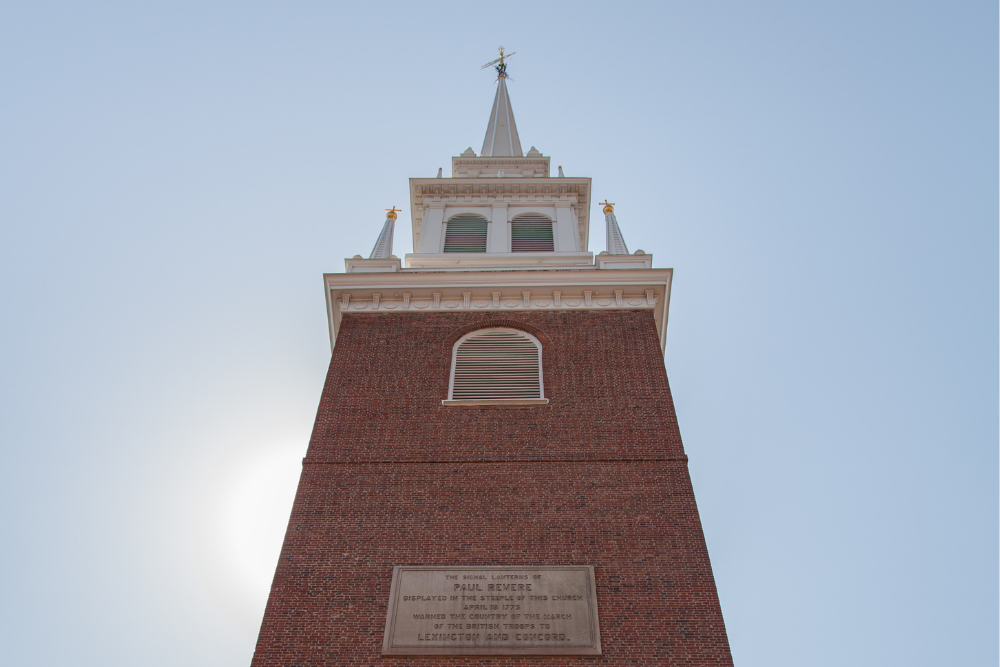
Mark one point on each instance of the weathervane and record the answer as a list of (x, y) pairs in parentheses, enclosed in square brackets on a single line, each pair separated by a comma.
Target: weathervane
[(392, 212), (502, 67), (608, 207)]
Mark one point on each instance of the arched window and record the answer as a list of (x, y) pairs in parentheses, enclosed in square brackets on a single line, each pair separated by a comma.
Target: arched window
[(497, 364), (465, 232), (531, 232)]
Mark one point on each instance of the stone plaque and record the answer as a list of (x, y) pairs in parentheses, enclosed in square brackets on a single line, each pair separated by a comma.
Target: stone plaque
[(548, 610)]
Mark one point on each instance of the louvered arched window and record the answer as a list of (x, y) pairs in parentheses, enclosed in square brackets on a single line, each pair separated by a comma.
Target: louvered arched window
[(531, 232), (497, 365), (465, 232)]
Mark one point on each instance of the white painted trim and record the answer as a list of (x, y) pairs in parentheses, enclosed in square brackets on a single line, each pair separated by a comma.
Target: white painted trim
[(333, 315), (497, 401), (494, 260), (431, 238), (454, 355), (639, 260), (565, 228), (499, 229), (509, 300), (451, 211), (523, 166), (492, 291), (362, 265), (546, 192)]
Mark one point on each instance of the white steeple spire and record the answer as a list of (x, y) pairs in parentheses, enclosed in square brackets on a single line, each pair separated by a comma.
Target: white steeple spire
[(501, 134), (616, 242), (383, 247)]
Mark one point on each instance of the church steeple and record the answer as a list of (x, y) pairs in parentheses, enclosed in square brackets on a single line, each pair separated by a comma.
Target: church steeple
[(501, 133), (434, 349)]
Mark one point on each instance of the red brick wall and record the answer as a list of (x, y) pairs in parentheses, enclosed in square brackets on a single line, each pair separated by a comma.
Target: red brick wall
[(596, 477)]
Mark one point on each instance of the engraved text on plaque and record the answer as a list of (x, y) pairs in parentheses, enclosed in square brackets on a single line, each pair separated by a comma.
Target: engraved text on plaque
[(550, 610)]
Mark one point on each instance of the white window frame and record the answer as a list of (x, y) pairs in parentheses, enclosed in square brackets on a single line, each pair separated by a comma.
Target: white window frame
[(496, 401)]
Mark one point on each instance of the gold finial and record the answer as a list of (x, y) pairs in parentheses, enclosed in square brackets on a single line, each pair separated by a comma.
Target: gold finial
[(392, 212), (608, 208)]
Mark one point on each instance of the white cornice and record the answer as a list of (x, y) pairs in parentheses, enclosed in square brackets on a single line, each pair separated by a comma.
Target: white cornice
[(528, 166), (464, 261), (498, 291)]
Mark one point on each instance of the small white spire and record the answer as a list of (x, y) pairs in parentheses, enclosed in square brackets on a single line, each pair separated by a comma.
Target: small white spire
[(561, 174), (383, 247), (501, 134), (440, 172), (616, 242)]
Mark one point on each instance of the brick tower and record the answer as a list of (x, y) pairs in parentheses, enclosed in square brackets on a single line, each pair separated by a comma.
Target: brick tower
[(496, 475)]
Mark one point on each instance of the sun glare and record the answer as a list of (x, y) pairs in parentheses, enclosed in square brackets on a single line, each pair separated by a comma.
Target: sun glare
[(251, 509)]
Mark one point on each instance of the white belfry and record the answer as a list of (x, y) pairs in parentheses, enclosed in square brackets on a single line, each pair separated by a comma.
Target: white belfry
[(616, 242), (383, 247)]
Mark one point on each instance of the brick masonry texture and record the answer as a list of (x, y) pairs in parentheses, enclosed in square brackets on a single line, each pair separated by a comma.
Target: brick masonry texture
[(596, 477)]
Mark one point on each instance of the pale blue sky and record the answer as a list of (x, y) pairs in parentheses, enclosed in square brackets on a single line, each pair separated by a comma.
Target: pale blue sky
[(175, 178)]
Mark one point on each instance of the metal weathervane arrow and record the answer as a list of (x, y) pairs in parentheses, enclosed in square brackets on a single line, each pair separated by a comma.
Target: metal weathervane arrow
[(502, 67)]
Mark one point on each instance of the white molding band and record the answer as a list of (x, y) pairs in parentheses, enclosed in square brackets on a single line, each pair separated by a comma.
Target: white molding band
[(496, 401), (496, 292), (525, 300)]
